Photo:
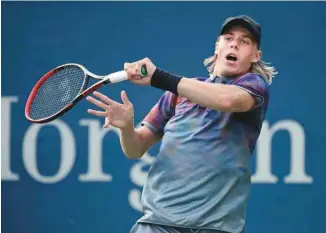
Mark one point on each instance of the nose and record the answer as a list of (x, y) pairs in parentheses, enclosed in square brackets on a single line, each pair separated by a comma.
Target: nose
[(234, 44)]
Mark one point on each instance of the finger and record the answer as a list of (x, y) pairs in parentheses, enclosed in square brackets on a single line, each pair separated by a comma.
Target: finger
[(96, 113), (124, 98), (104, 98), (132, 69), (96, 102), (107, 122), (137, 69), (136, 77), (126, 66), (129, 73), (146, 61)]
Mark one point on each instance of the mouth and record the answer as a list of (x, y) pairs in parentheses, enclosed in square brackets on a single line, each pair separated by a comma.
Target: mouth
[(231, 57)]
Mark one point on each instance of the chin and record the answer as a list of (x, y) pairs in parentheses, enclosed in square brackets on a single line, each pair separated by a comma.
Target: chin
[(230, 73)]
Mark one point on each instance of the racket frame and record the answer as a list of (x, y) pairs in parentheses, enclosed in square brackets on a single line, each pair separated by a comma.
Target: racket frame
[(111, 78)]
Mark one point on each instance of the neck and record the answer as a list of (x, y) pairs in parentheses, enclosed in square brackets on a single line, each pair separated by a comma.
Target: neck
[(218, 73)]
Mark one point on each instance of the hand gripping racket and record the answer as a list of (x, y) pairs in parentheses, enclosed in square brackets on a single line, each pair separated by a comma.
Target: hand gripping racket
[(62, 88)]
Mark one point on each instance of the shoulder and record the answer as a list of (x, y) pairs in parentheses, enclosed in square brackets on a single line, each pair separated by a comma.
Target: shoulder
[(252, 80), (251, 77)]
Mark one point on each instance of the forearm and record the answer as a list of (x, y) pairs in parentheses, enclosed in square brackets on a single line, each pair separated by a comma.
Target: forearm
[(214, 96), (131, 143), (227, 98)]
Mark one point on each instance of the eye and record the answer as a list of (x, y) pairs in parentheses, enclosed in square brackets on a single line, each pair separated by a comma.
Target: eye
[(244, 41), (228, 38)]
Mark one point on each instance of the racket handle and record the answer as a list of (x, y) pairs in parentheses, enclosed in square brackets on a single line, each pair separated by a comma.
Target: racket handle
[(118, 76), (122, 75)]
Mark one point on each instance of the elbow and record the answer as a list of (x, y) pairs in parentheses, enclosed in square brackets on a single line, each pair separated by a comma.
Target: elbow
[(234, 105), (233, 101), (133, 157), (133, 154)]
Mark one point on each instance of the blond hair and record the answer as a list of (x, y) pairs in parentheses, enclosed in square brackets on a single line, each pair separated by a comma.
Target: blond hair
[(261, 68)]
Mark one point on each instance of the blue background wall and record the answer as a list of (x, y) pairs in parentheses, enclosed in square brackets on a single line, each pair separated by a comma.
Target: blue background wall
[(38, 36)]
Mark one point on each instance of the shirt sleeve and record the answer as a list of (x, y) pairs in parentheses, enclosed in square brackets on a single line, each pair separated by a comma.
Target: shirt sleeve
[(161, 113), (254, 85)]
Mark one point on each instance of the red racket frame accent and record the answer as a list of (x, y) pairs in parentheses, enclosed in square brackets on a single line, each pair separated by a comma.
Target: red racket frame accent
[(33, 94), (81, 95)]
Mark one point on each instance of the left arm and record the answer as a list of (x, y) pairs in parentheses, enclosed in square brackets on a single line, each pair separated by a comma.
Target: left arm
[(226, 98), (246, 93)]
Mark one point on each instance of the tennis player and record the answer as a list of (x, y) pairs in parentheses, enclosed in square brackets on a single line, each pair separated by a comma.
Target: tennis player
[(208, 128)]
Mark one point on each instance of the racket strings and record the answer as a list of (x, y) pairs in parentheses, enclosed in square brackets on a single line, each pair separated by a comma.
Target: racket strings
[(57, 91)]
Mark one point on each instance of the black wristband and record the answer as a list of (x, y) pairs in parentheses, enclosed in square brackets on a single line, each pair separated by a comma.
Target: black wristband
[(165, 81)]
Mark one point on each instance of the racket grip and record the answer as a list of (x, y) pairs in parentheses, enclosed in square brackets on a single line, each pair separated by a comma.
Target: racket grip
[(118, 76), (122, 75)]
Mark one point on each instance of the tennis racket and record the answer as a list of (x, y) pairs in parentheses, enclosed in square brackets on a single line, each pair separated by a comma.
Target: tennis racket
[(62, 88)]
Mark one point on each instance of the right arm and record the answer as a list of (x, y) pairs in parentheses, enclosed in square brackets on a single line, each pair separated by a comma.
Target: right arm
[(135, 142)]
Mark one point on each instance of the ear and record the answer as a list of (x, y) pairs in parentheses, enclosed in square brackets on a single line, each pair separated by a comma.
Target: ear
[(256, 56)]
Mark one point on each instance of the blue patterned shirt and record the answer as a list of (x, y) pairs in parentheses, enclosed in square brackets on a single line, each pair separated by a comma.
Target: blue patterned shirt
[(201, 176)]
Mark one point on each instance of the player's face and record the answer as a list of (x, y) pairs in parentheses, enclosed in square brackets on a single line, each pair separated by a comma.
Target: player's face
[(236, 51)]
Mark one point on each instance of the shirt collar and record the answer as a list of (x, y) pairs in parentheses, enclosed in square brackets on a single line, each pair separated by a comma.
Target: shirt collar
[(217, 79)]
